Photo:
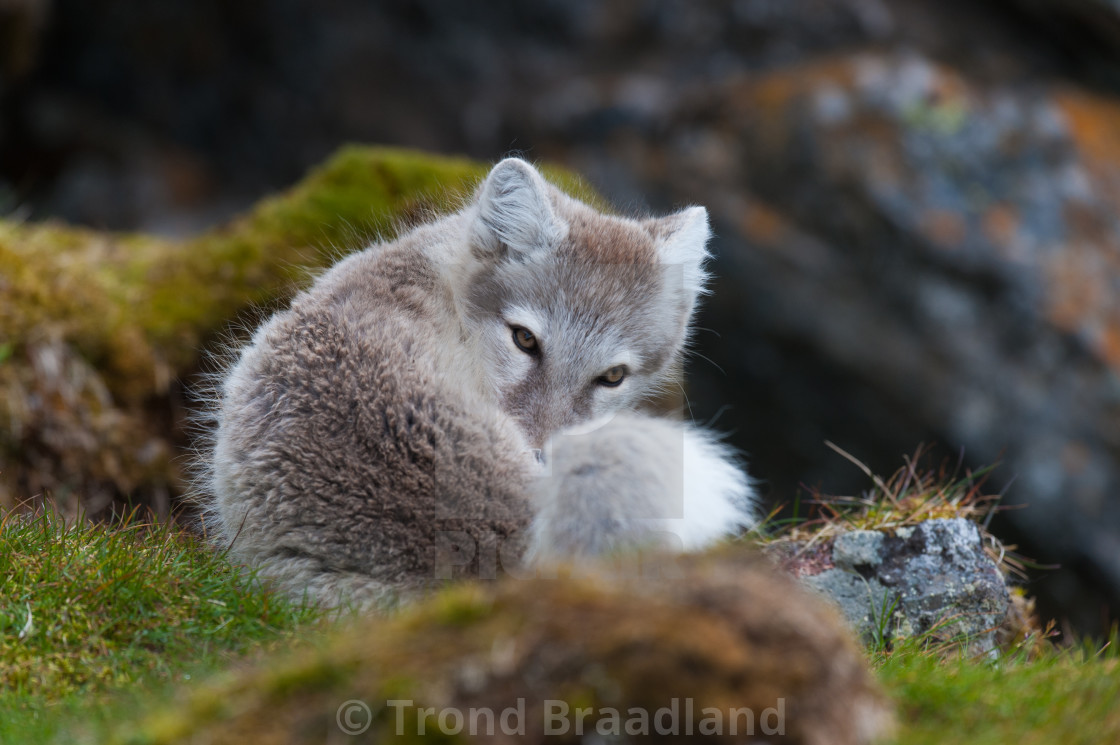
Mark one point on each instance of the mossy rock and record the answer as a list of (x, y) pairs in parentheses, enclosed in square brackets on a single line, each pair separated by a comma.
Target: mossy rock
[(721, 632), (97, 330)]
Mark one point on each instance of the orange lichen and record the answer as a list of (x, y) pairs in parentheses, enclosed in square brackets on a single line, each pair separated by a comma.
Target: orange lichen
[(765, 99), (1080, 299), (1076, 455), (1072, 293), (1108, 345), (946, 229), (1094, 126), (762, 224), (1001, 226)]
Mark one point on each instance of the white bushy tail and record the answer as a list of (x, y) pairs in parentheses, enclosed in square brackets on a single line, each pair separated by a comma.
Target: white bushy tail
[(631, 481)]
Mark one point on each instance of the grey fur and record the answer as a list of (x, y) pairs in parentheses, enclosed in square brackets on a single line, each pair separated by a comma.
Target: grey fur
[(387, 415)]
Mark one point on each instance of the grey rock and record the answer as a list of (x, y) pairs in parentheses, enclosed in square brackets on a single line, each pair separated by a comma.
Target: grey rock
[(859, 548), (933, 578), (866, 603)]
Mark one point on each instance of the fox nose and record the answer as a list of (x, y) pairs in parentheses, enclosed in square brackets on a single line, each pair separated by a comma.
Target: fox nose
[(536, 435), (545, 424)]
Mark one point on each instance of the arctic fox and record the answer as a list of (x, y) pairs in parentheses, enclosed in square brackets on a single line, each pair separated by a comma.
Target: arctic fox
[(464, 400)]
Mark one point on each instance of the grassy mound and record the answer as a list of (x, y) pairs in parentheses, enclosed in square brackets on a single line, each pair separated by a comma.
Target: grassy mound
[(100, 625), (98, 330), (720, 634)]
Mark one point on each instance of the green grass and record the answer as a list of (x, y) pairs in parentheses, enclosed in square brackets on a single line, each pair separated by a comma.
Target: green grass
[(1064, 696), (88, 610)]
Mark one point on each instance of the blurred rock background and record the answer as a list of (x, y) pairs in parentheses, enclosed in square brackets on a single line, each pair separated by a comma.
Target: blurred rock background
[(917, 202)]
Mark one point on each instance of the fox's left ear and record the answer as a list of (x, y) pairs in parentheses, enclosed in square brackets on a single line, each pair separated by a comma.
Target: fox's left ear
[(683, 240)]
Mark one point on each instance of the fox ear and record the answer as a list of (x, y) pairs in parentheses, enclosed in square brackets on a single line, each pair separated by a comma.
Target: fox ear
[(683, 240), (514, 214)]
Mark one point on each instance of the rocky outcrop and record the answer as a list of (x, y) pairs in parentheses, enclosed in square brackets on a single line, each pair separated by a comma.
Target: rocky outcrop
[(932, 579), (950, 249)]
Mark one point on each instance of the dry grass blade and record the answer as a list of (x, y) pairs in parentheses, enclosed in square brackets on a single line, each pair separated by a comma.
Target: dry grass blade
[(916, 492)]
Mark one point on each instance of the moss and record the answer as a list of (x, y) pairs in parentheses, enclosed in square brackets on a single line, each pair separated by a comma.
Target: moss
[(95, 328), (722, 631)]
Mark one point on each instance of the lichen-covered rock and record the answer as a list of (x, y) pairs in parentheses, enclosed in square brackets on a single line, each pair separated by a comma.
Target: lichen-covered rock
[(933, 578), (98, 331), (701, 636), (947, 251)]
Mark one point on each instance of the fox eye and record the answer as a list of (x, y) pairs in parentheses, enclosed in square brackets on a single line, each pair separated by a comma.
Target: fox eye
[(525, 340), (613, 377)]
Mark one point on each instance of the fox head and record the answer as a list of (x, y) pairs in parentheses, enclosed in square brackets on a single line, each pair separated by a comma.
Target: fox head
[(575, 314)]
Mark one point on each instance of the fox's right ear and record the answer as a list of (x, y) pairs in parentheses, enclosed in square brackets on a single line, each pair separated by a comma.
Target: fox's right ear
[(514, 217), (683, 241)]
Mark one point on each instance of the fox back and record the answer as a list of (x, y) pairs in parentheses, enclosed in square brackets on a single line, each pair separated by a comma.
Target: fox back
[(457, 402)]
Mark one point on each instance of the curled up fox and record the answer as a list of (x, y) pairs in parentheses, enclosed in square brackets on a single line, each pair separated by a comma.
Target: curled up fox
[(468, 398)]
